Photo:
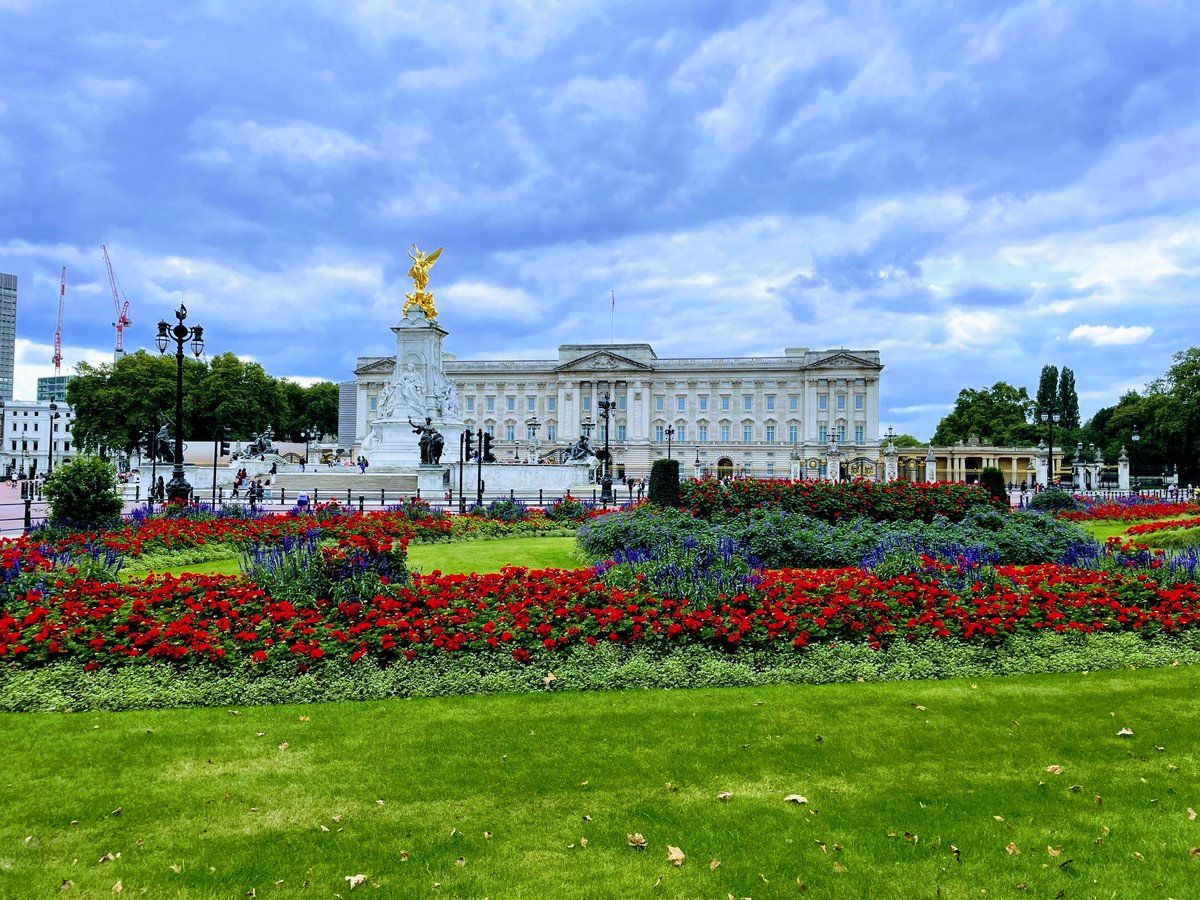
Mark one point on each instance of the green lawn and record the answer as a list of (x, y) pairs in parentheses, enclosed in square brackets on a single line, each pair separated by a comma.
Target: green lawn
[(492, 555), (912, 790)]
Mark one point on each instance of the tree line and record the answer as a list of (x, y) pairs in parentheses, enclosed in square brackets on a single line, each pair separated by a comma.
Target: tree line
[(1165, 415), (114, 404)]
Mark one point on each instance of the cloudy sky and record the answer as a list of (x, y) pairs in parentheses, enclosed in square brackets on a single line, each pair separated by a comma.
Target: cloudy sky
[(975, 189)]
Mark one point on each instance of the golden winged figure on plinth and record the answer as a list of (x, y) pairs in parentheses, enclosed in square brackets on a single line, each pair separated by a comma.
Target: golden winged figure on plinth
[(419, 273)]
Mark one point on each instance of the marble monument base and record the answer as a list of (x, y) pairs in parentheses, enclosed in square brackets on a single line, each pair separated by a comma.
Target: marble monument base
[(397, 448)]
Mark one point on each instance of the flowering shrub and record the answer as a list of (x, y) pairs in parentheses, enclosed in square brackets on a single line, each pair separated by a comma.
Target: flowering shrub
[(833, 501)]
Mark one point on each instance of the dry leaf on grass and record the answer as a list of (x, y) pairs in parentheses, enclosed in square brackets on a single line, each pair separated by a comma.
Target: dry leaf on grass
[(1012, 849), (724, 795), (283, 746), (403, 856), (1194, 852), (355, 880), (305, 719), (636, 841), (957, 854), (1054, 851), (1054, 770), (583, 842), (118, 887), (1124, 732), (714, 863), (461, 861), (675, 855), (795, 798), (549, 679), (1191, 814), (839, 868)]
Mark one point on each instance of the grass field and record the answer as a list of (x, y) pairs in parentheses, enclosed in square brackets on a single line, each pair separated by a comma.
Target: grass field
[(912, 790)]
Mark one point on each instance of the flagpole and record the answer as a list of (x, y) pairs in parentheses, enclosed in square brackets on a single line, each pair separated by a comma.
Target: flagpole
[(613, 323)]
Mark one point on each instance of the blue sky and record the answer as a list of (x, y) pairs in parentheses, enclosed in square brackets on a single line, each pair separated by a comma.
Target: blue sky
[(975, 189)]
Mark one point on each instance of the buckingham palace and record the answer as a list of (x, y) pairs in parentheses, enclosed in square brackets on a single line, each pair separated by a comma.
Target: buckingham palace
[(769, 416)]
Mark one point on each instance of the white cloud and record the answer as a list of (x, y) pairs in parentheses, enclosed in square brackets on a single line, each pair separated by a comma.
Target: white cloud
[(297, 147), (1109, 335), (480, 301)]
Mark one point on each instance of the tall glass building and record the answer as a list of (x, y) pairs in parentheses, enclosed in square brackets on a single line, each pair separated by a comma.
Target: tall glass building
[(8, 333)]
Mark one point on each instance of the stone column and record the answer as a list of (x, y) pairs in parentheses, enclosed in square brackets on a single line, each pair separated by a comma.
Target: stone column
[(1041, 465), (833, 462), (1123, 470), (930, 466)]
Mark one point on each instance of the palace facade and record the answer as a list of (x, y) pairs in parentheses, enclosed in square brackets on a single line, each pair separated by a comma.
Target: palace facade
[(771, 416)]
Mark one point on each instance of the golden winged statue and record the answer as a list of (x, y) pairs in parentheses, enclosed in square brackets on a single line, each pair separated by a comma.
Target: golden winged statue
[(419, 273)]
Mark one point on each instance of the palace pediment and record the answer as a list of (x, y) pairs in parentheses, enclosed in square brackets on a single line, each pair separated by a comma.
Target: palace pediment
[(838, 360), (381, 366), (604, 361)]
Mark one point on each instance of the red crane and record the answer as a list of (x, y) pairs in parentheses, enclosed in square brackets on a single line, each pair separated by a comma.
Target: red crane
[(62, 295), (122, 310)]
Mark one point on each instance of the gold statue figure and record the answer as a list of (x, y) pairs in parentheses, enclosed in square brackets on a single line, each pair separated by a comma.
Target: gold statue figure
[(419, 273)]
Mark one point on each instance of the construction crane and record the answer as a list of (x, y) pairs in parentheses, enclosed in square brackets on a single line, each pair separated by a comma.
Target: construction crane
[(122, 310), (62, 295)]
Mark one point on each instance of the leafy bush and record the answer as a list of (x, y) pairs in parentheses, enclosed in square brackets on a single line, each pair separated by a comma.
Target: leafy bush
[(1055, 500), (84, 493), (993, 479), (568, 509), (507, 510), (664, 483)]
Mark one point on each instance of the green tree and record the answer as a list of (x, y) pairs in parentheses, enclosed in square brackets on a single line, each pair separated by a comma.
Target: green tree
[(1068, 400), (906, 440), (321, 406), (663, 488), (84, 493), (1047, 392), (997, 415), (239, 395)]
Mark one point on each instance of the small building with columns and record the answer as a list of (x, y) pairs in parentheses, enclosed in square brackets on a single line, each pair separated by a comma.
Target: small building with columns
[(755, 416)]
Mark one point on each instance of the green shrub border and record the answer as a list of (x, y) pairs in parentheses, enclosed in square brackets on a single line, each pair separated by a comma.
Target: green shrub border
[(66, 687)]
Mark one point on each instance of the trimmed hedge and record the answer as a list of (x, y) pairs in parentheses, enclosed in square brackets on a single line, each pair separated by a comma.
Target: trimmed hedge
[(664, 483)]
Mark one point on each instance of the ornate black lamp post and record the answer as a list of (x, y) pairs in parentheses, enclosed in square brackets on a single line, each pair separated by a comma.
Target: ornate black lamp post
[(1136, 437), (311, 433), (606, 405), (670, 433), (178, 487), (1050, 417), (55, 415), (531, 432)]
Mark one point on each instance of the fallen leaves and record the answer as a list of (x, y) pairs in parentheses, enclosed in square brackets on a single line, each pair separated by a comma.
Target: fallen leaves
[(549, 679), (355, 880), (118, 887), (1013, 849), (675, 856), (724, 795), (283, 746), (1054, 851), (1124, 732), (957, 854), (839, 868), (714, 864), (795, 798), (1194, 852), (1191, 814), (1054, 770), (636, 841)]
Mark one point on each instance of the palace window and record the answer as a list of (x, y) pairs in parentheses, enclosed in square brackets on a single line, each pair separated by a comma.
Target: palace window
[(793, 403), (551, 404), (531, 404), (621, 433), (860, 402), (747, 433), (748, 402), (841, 434), (858, 434), (770, 434), (658, 433), (725, 403), (510, 404), (681, 432), (841, 401), (681, 404), (510, 432), (587, 402), (725, 434), (490, 430), (793, 433), (530, 432), (470, 404), (703, 429), (622, 402), (552, 432), (770, 402), (659, 402), (491, 404), (703, 401), (822, 402), (823, 434)]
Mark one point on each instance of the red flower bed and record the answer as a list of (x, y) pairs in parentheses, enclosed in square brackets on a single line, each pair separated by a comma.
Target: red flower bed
[(230, 622), (1151, 527), (1129, 512)]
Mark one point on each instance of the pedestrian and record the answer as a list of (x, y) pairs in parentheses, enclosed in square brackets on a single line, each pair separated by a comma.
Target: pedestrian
[(160, 490), (274, 468)]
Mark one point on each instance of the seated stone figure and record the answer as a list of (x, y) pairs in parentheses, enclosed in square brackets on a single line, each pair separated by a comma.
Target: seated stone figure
[(581, 451)]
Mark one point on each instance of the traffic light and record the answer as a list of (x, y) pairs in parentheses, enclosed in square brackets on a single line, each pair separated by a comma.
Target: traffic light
[(225, 435), (485, 448), (468, 445)]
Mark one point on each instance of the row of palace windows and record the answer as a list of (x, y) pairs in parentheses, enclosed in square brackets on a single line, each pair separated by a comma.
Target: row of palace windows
[(681, 402), (25, 448), (725, 432)]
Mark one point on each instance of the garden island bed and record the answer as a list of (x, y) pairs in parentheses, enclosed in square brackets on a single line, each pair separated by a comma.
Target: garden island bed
[(751, 583)]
